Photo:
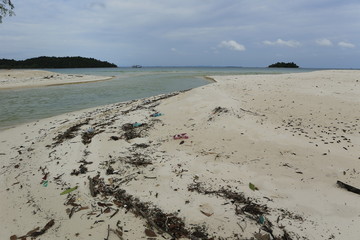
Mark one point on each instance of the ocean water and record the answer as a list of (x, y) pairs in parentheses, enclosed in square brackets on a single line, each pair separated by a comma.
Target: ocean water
[(19, 106)]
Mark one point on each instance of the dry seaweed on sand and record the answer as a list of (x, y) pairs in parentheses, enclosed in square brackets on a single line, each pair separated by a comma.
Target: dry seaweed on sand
[(219, 110), (236, 198), (88, 135), (82, 170), (168, 223), (69, 133), (141, 145), (138, 160), (148, 101), (115, 138), (131, 132), (36, 232), (243, 205)]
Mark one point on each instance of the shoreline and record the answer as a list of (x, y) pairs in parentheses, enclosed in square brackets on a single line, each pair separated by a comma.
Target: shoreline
[(16, 79), (210, 79), (258, 160)]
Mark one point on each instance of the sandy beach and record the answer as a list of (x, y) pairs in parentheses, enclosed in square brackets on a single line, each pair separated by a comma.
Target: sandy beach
[(246, 157), (10, 79)]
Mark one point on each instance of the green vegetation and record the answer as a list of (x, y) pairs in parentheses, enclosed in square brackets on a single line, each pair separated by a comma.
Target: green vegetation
[(6, 9), (55, 62), (283, 65)]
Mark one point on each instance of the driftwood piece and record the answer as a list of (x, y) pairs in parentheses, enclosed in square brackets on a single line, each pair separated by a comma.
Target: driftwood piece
[(91, 186), (348, 187)]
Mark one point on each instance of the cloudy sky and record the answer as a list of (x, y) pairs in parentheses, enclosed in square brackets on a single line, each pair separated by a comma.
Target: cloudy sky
[(249, 33)]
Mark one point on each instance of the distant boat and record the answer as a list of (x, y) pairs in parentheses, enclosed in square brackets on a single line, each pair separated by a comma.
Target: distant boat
[(136, 66)]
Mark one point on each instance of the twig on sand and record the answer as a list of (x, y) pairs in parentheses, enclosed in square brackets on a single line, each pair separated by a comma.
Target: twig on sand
[(108, 233), (117, 233), (117, 210), (58, 177), (348, 187), (242, 228), (252, 113)]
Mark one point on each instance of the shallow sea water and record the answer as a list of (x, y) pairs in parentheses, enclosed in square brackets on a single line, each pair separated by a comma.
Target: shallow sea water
[(19, 106)]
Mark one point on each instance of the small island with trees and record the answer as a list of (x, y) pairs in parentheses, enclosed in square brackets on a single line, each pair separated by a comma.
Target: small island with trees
[(55, 62), (283, 65)]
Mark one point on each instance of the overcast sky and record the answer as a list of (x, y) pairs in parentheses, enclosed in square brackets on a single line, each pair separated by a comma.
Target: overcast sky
[(249, 33)]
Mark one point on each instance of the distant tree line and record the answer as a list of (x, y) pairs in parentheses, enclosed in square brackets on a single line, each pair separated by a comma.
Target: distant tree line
[(55, 62), (283, 65)]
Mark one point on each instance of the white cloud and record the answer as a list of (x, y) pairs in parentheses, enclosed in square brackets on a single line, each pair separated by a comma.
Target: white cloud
[(324, 42), (233, 45), (346, 45), (280, 42)]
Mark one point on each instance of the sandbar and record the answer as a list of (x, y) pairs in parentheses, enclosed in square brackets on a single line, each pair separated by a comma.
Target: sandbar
[(11, 79)]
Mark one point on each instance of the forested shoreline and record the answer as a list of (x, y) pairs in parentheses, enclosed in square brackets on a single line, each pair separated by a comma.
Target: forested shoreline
[(54, 62)]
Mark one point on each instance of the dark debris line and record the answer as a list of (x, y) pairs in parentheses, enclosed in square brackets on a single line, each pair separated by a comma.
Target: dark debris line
[(168, 223), (243, 206), (69, 133), (130, 131)]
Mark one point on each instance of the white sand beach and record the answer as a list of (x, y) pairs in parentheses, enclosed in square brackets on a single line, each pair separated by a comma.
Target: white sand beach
[(255, 157), (10, 79)]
